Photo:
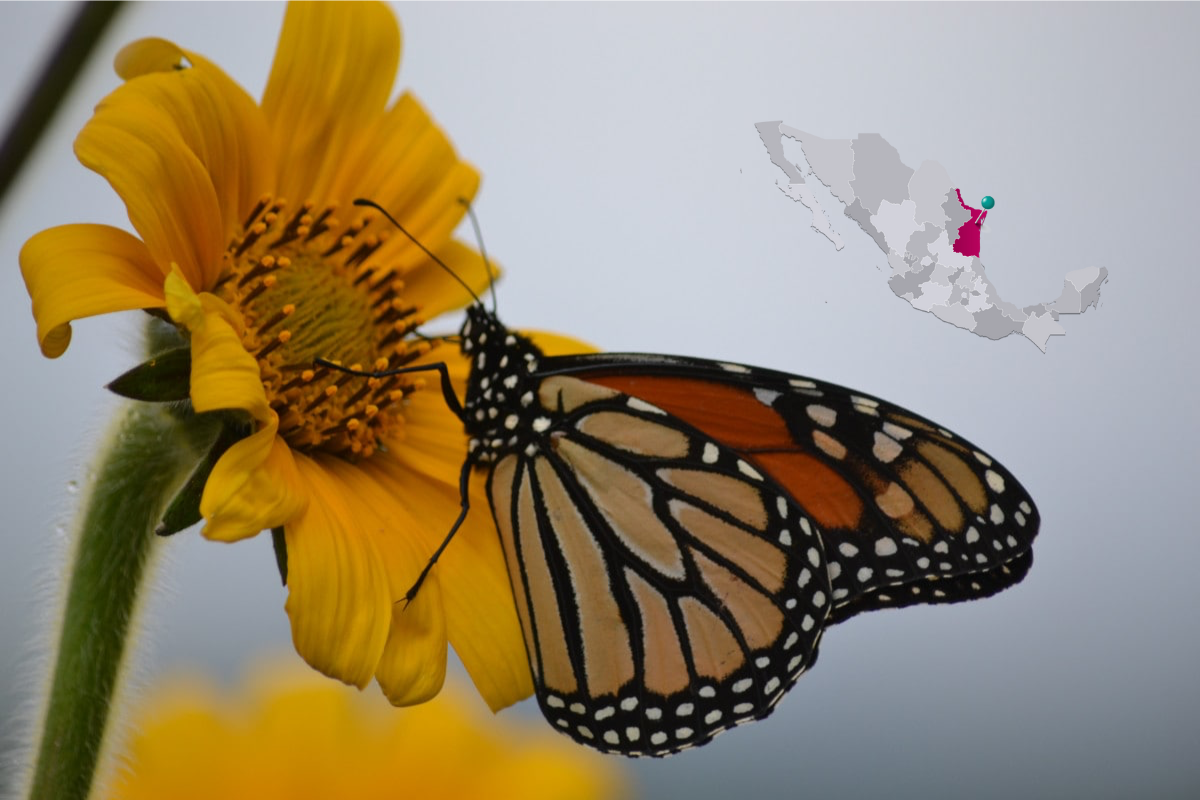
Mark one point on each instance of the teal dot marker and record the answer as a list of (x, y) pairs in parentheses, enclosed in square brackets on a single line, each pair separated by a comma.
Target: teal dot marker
[(988, 202)]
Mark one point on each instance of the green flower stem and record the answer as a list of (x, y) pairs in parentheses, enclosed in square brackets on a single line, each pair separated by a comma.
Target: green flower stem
[(150, 452)]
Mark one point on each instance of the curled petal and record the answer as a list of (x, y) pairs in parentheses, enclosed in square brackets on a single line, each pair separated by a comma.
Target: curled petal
[(144, 56), (167, 190), (76, 271), (255, 485), (224, 375), (217, 120), (338, 597), (330, 81)]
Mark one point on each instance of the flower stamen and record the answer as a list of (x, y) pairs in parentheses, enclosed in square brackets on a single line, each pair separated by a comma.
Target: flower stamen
[(335, 308)]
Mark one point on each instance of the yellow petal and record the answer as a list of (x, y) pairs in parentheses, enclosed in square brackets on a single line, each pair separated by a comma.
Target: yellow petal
[(76, 271), (218, 122), (330, 82), (338, 597), (254, 486), (398, 160), (139, 148), (431, 289), (224, 375), (431, 218), (413, 666), (148, 55), (433, 442), (481, 619), (481, 615)]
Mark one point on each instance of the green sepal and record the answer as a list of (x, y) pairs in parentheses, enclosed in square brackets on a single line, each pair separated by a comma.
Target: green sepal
[(280, 544), (184, 510), (165, 378)]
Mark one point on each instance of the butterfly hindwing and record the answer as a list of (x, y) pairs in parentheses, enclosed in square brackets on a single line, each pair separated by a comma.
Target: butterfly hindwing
[(667, 589)]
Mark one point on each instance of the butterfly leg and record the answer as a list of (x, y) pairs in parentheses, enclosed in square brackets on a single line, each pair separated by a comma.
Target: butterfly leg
[(464, 481), (447, 388)]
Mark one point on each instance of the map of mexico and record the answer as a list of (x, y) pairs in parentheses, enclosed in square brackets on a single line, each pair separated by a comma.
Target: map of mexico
[(930, 235)]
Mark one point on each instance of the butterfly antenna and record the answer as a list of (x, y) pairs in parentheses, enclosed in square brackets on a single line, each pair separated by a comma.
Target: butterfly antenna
[(372, 204), (482, 250)]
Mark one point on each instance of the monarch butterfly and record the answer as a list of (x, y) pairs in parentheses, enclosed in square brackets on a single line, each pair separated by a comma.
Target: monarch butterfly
[(680, 532)]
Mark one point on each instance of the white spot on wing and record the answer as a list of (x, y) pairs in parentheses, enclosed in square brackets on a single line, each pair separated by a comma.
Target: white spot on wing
[(822, 415), (710, 453), (885, 546), (641, 405), (886, 449), (738, 368), (800, 383), (748, 471), (766, 396), (995, 481)]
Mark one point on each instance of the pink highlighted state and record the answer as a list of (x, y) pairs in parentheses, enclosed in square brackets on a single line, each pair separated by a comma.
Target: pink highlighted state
[(967, 242)]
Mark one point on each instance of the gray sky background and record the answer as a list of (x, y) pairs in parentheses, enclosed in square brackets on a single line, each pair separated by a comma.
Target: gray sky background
[(629, 198)]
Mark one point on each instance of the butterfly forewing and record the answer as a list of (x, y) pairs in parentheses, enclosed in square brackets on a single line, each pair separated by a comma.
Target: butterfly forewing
[(900, 501), (667, 589)]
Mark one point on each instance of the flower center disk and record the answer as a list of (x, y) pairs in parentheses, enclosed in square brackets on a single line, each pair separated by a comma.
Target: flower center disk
[(308, 288)]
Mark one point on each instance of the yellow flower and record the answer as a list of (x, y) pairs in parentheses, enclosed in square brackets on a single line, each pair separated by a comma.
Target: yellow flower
[(249, 243), (298, 737)]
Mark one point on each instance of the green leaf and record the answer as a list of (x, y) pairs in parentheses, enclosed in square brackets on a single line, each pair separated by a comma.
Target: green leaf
[(280, 544), (184, 510), (164, 378)]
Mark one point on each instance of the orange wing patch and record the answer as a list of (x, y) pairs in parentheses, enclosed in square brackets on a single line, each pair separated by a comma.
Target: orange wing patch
[(728, 414)]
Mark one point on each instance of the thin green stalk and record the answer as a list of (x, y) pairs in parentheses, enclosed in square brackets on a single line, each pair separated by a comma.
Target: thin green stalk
[(150, 453)]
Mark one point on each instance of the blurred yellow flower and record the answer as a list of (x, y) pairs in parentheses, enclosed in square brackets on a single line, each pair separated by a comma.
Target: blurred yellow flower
[(249, 245), (292, 735)]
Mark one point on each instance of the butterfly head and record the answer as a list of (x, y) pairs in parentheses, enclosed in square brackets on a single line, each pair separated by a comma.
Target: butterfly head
[(501, 388)]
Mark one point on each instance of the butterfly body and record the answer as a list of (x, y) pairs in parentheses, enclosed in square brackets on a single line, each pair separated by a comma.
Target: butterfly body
[(680, 532)]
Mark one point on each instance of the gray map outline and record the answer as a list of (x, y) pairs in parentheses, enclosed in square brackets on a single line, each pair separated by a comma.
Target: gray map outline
[(913, 216)]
